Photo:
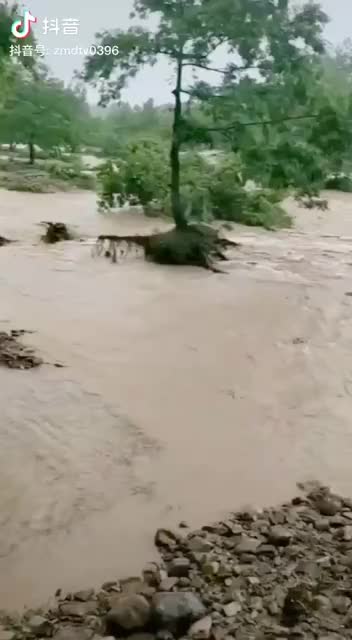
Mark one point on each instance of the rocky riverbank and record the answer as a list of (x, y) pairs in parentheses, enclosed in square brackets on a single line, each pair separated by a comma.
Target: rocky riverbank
[(283, 572)]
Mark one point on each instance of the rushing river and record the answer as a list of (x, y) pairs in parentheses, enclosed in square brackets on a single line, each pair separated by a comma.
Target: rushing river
[(184, 394)]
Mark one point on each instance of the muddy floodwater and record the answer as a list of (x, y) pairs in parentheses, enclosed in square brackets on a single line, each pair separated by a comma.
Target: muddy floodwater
[(184, 394)]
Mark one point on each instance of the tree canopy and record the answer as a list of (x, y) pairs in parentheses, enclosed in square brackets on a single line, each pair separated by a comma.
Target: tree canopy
[(269, 39)]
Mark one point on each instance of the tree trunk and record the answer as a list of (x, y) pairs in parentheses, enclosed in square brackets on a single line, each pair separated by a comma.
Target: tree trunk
[(176, 204), (31, 152)]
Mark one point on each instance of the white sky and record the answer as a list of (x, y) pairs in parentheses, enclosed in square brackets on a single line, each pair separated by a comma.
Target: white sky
[(106, 14)]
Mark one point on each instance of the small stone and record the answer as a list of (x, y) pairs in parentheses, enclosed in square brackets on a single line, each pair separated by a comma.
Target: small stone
[(40, 626), (167, 584), (321, 603), (136, 586), (151, 574), (322, 525), (232, 609), (309, 568), (199, 545), (84, 596), (176, 611), (200, 630), (256, 603), (183, 525), (78, 609), (138, 636), (197, 583), (347, 533), (341, 604), (183, 582), (110, 585), (68, 632), (211, 568), (130, 612), (163, 634), (267, 550), (253, 581), (273, 608), (166, 538), (247, 545), (280, 536), (179, 568)]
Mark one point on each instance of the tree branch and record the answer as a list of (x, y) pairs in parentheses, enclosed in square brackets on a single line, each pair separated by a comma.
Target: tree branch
[(229, 71), (201, 96), (260, 123)]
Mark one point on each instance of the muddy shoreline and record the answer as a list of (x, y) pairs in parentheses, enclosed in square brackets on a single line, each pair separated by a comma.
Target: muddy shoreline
[(280, 572)]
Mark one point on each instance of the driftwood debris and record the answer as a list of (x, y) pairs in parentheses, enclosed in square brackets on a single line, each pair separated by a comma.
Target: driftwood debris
[(14, 355), (311, 202), (197, 245), (55, 232), (4, 241)]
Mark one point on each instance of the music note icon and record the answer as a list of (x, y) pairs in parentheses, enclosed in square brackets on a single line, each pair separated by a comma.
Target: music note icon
[(22, 28)]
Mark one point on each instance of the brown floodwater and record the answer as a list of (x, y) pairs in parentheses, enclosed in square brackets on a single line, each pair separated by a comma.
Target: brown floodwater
[(184, 394)]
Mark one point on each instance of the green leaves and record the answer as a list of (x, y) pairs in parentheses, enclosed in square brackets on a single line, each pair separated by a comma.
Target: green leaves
[(43, 112)]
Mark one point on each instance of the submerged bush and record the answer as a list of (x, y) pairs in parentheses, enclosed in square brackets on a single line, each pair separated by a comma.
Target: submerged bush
[(339, 182), (209, 191)]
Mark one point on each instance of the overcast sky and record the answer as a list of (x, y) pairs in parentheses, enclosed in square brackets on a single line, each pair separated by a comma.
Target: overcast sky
[(106, 14)]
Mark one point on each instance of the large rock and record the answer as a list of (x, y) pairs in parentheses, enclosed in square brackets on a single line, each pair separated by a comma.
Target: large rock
[(5, 634), (176, 611), (129, 613), (40, 626), (78, 609)]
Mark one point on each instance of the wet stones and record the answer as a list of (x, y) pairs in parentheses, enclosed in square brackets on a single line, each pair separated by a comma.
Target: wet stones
[(282, 573)]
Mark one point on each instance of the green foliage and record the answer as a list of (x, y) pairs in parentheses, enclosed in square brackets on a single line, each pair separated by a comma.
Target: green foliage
[(140, 175), (44, 113), (339, 183), (280, 43), (209, 191), (73, 174)]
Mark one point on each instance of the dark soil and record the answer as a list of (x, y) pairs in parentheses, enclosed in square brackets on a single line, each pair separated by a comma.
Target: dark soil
[(280, 573), (14, 355)]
